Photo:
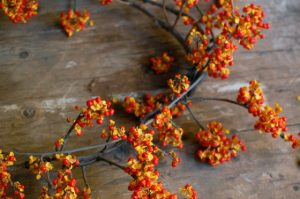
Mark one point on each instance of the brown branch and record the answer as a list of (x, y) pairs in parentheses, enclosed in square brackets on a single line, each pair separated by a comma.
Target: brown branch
[(194, 117), (200, 99), (180, 14), (84, 176), (91, 159), (165, 12), (71, 151), (67, 135), (160, 23)]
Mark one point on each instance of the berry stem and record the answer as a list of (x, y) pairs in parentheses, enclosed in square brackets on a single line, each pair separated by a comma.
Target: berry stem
[(200, 99)]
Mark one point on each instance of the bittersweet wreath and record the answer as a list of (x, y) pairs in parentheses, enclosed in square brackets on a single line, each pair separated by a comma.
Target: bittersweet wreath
[(211, 38)]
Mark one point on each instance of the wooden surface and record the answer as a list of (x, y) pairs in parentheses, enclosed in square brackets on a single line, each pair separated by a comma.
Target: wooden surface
[(44, 74)]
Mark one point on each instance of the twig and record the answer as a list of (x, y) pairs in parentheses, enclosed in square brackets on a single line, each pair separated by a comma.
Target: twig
[(165, 12), (180, 14), (194, 117), (84, 176), (92, 158), (49, 180), (175, 12), (161, 23), (199, 10), (199, 99), (232, 7), (87, 148), (67, 135), (75, 4)]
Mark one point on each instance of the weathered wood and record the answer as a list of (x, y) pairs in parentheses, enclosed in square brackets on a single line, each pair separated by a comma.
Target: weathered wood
[(43, 74)]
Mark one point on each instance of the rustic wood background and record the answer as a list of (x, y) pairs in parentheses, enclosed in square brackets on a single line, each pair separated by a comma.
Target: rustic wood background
[(44, 74)]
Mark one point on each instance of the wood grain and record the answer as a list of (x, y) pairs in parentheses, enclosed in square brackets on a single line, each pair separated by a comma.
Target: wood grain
[(44, 74)]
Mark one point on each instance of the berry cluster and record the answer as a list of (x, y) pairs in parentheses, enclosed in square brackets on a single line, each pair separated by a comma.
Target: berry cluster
[(221, 57), (65, 188), (175, 159), (167, 132), (105, 2), (179, 84), (216, 147), (145, 182), (87, 192), (65, 185), (186, 4), (161, 64), (58, 143), (7, 160), (96, 110), (269, 119), (252, 97), (68, 161), (187, 20), (19, 11), (250, 26), (114, 132), (18, 190), (189, 192), (245, 28), (199, 42), (74, 21), (138, 109), (152, 102), (38, 167)]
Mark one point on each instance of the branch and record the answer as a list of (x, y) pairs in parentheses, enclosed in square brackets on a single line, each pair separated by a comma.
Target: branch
[(87, 148), (67, 135), (180, 14), (165, 12), (194, 117), (160, 23), (90, 159), (84, 176), (147, 119), (175, 12), (200, 99)]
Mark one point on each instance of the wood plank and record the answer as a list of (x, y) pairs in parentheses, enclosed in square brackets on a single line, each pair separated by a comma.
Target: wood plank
[(44, 74)]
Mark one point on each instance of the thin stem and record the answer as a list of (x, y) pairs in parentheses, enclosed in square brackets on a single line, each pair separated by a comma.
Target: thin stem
[(159, 22), (49, 180), (175, 12), (87, 148), (199, 10), (165, 12), (199, 99), (84, 176), (101, 158), (202, 14), (74, 4), (168, 8), (67, 135), (174, 124), (180, 14), (90, 159), (194, 117), (232, 7)]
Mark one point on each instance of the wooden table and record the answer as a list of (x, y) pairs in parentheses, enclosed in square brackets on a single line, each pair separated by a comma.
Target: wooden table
[(44, 74)]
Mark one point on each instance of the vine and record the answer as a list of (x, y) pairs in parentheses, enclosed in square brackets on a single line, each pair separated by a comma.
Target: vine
[(211, 39)]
